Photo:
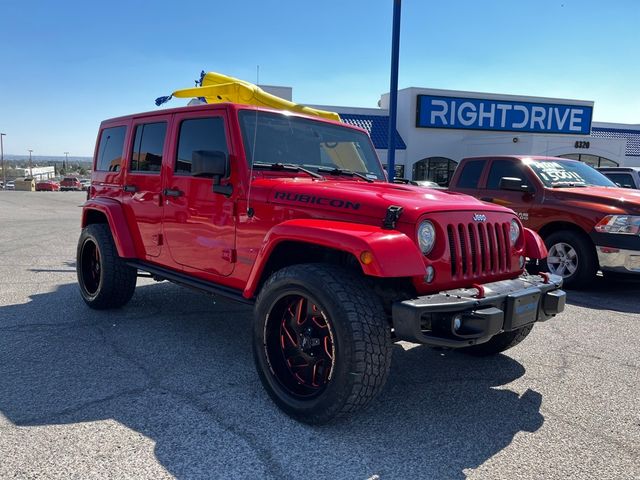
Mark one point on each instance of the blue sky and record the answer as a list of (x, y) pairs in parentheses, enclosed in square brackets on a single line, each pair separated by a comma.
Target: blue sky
[(65, 66)]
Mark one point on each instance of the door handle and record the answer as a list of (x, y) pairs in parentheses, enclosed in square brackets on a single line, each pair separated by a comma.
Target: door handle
[(487, 199), (168, 192), (130, 188)]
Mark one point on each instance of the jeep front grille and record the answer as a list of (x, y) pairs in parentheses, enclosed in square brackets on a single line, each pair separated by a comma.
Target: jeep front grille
[(478, 249)]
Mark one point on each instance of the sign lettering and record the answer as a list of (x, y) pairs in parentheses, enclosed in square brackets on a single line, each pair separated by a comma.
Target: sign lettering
[(483, 114)]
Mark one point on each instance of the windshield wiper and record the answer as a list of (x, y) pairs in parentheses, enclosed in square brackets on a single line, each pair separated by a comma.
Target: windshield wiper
[(341, 171), (289, 167), (568, 184)]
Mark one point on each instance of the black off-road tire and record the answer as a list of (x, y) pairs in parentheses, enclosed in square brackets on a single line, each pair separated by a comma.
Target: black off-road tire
[(358, 330), (113, 282), (499, 343), (587, 258)]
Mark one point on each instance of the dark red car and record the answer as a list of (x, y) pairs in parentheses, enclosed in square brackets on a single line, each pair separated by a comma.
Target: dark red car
[(47, 186), (70, 183)]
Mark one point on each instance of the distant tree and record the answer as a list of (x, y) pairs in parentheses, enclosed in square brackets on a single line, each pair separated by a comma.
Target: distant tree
[(63, 171), (82, 171)]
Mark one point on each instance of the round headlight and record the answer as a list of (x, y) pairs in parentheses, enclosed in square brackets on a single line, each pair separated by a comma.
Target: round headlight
[(426, 236), (514, 232)]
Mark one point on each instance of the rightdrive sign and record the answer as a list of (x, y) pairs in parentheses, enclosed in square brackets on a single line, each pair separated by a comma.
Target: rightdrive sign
[(502, 115)]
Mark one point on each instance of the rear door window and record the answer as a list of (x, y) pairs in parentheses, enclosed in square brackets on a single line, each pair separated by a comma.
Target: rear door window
[(470, 174), (147, 147), (111, 148)]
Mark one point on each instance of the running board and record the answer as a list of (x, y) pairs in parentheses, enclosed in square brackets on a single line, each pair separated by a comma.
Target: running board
[(195, 283)]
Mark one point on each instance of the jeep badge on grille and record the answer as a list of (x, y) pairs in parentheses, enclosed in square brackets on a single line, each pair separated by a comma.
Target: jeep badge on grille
[(479, 217)]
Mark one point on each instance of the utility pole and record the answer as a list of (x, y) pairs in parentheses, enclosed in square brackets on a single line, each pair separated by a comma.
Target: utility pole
[(4, 175), (393, 93), (66, 163), (30, 165)]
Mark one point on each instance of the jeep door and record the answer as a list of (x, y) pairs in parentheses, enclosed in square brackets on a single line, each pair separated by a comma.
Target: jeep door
[(199, 224), (142, 183)]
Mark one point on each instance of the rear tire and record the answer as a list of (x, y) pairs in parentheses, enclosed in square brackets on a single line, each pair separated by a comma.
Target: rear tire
[(499, 343), (321, 342), (571, 256), (105, 280)]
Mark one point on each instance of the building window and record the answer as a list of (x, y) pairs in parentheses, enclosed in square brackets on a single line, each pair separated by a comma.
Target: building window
[(592, 160), (399, 170), (435, 169)]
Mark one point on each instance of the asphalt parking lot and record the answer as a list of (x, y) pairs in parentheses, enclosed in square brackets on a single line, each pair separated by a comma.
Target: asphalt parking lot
[(166, 386)]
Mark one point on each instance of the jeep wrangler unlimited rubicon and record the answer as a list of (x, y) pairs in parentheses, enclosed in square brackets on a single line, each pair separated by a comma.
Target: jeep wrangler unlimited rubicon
[(294, 215)]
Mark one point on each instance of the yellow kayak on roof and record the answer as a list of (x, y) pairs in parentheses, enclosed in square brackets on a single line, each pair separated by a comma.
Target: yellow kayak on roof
[(217, 88)]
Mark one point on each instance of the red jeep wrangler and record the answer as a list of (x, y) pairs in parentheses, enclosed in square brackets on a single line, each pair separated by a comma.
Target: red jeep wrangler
[(294, 215)]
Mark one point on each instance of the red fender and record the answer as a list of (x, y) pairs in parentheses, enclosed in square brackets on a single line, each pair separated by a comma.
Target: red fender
[(534, 245), (394, 253), (112, 209)]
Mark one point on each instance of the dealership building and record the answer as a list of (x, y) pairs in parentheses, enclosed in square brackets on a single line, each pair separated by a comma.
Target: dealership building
[(438, 128)]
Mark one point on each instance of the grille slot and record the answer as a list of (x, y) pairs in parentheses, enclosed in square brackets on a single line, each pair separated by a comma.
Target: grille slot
[(478, 249)]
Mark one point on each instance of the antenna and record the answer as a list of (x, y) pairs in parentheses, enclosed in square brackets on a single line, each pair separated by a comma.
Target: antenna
[(250, 211)]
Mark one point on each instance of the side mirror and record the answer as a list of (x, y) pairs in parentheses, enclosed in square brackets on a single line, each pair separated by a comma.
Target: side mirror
[(213, 164), (209, 163), (513, 184)]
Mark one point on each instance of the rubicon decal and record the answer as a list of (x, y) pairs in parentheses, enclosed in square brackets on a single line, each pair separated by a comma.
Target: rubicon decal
[(314, 200)]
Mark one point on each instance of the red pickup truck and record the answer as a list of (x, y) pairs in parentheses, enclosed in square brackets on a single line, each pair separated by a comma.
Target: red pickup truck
[(587, 223)]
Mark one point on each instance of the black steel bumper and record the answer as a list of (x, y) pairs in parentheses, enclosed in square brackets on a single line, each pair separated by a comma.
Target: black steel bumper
[(457, 318)]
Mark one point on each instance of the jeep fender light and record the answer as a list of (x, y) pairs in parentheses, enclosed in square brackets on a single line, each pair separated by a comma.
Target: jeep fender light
[(366, 257)]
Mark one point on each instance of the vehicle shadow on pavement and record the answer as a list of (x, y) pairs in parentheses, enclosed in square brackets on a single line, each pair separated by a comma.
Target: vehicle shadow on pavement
[(177, 368), (618, 294)]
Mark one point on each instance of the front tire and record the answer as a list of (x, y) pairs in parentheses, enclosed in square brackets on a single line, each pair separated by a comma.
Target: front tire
[(571, 256), (321, 342), (499, 343), (105, 280)]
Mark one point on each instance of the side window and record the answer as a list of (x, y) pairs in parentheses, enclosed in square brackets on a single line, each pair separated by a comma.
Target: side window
[(109, 157), (625, 180), (470, 175), (147, 147), (505, 168), (197, 135)]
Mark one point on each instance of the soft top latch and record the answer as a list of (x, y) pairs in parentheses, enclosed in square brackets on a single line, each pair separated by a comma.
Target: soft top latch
[(392, 216)]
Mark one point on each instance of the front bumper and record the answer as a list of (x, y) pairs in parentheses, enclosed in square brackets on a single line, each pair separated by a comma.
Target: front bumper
[(457, 318), (618, 260)]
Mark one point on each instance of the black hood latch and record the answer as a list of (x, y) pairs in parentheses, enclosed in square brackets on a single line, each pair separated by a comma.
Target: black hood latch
[(392, 216)]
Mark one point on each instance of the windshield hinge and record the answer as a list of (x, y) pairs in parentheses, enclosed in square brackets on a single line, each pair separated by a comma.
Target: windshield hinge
[(392, 216)]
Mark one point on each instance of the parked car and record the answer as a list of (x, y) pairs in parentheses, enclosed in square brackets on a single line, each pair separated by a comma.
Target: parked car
[(586, 221), (47, 186), (85, 184), (625, 177), (11, 185), (299, 221), (70, 183)]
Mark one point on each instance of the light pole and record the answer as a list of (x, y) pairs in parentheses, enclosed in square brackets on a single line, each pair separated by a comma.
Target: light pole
[(393, 91), (4, 175), (30, 165), (66, 163)]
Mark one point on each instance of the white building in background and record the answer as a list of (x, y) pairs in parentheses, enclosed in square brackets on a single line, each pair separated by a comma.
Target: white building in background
[(38, 173), (438, 128)]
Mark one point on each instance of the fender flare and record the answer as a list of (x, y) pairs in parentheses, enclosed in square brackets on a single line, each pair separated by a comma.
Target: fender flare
[(534, 246), (114, 214), (394, 253)]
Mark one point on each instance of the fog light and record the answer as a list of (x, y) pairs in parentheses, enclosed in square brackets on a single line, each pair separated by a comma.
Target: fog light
[(366, 257), (521, 262), (457, 322), (431, 272)]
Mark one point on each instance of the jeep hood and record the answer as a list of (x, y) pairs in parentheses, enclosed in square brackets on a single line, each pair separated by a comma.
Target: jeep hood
[(600, 198), (370, 199)]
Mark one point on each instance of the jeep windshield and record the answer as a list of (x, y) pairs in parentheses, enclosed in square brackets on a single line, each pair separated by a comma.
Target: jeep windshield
[(288, 140), (567, 173)]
